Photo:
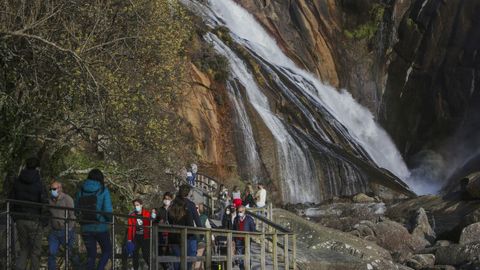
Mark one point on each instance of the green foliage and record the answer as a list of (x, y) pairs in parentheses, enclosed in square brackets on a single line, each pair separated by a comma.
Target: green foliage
[(209, 61), (93, 83), (411, 23), (369, 29)]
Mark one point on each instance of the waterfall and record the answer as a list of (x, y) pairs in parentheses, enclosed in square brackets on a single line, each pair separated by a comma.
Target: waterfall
[(299, 184), (358, 120), (252, 161), (354, 123)]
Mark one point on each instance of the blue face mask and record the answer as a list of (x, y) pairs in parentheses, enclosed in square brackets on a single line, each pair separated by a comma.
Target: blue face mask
[(138, 208), (54, 193)]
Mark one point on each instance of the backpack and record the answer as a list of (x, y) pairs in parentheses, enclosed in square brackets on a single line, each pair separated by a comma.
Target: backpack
[(88, 202)]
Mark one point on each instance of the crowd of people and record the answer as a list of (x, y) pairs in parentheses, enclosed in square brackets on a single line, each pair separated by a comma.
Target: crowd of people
[(93, 212)]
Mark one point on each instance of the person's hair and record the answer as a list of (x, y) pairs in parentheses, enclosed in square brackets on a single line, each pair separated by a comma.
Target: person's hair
[(178, 209), (56, 182), (184, 190), (138, 200), (32, 163), (167, 194), (249, 189), (260, 185), (96, 175), (236, 189), (240, 206)]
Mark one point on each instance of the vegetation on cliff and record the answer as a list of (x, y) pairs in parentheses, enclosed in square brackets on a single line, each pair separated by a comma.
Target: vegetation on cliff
[(93, 84)]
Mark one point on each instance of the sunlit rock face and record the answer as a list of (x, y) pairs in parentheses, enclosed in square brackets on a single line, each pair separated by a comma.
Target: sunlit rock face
[(416, 73), (313, 34)]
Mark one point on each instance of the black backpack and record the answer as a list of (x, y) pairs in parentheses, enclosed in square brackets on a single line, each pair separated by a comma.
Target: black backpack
[(88, 202)]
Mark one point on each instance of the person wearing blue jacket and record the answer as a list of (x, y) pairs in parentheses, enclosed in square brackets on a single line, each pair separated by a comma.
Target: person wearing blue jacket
[(94, 195)]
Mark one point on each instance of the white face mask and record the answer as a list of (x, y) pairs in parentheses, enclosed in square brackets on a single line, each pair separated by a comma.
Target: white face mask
[(228, 212), (154, 215), (138, 208), (241, 214), (167, 202)]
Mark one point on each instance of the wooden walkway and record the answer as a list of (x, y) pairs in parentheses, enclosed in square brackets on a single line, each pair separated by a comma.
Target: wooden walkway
[(272, 246)]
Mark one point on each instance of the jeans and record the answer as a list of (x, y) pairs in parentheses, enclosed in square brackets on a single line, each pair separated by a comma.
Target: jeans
[(176, 252), (103, 239), (240, 250), (57, 238), (191, 251), (30, 238), (144, 245)]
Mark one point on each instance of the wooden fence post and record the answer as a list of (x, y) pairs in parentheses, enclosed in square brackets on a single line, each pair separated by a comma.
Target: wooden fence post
[(229, 251), (294, 251), (285, 252), (208, 250), (183, 249), (154, 247), (262, 252), (246, 258), (274, 251)]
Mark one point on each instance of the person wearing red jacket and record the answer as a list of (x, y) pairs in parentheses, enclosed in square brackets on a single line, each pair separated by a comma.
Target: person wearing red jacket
[(139, 232)]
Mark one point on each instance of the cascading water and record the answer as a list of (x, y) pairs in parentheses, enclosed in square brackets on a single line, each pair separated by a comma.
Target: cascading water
[(355, 124), (299, 183), (359, 121), (252, 159)]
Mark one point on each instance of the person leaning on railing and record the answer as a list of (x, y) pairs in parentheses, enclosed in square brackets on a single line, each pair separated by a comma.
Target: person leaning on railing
[(56, 237), (95, 196), (139, 232)]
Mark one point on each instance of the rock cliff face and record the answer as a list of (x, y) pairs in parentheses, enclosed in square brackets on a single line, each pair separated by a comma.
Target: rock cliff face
[(413, 63), (315, 34), (205, 108), (433, 72), (432, 97)]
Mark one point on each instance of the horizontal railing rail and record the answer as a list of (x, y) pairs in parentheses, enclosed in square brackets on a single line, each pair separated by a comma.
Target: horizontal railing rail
[(276, 248)]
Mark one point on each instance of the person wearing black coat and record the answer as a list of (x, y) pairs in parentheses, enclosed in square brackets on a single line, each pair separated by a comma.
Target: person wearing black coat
[(28, 187)]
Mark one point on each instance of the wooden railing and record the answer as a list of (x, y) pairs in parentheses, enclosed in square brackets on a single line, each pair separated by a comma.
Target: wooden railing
[(205, 186), (273, 242)]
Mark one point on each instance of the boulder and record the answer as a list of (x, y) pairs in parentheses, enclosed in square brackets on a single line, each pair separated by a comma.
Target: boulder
[(343, 216), (395, 237), (473, 186), (457, 254), (421, 261), (441, 267), (319, 247), (470, 234), (362, 198), (421, 226), (442, 243)]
